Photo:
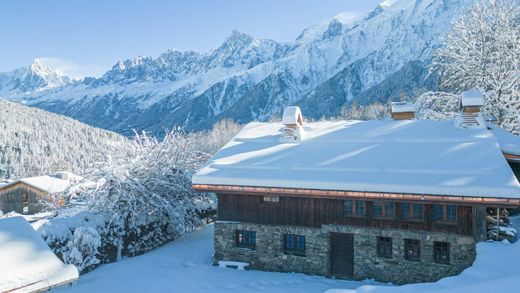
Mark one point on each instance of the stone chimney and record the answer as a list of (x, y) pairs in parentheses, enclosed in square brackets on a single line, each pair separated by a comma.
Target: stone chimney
[(292, 120), (403, 111)]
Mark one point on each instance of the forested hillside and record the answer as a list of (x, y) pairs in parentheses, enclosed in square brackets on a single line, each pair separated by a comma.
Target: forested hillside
[(33, 141)]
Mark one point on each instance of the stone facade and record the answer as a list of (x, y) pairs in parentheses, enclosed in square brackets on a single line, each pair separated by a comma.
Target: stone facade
[(269, 254)]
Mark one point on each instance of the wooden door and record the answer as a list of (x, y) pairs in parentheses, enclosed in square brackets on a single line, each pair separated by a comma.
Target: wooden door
[(342, 255)]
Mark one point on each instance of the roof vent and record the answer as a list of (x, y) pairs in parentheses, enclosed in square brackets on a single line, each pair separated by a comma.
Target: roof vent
[(292, 119), (403, 111), (471, 117)]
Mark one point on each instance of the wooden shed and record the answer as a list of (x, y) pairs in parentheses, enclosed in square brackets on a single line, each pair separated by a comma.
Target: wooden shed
[(24, 195)]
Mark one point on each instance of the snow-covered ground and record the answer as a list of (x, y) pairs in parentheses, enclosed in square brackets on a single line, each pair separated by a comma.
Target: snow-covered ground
[(185, 266)]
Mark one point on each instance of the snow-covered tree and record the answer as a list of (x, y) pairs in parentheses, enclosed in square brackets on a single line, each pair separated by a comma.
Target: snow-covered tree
[(437, 106), (483, 51), (374, 111), (146, 196), (83, 248)]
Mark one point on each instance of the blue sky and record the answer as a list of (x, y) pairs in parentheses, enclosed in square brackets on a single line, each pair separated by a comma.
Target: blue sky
[(87, 37)]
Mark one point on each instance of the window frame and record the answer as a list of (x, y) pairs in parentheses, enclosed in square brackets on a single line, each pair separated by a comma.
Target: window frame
[(414, 243), (247, 243), (383, 252), (441, 248), (444, 214), (353, 211), (384, 211), (410, 211), (295, 241)]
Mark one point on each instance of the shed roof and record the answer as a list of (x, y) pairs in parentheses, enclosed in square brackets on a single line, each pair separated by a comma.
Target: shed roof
[(472, 98), (292, 115), (402, 107), (28, 264), (413, 156), (48, 183)]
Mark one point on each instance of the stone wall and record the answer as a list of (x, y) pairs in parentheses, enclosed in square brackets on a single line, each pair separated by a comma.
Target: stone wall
[(397, 269), (269, 254)]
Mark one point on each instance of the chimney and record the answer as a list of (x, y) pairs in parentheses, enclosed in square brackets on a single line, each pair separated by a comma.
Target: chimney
[(471, 117), (472, 101), (292, 120), (403, 111)]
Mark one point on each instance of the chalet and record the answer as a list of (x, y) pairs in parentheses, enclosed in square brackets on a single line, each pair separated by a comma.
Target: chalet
[(393, 200), (23, 195)]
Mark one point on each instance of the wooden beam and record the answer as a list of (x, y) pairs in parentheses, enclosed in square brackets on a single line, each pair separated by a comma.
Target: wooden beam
[(318, 193)]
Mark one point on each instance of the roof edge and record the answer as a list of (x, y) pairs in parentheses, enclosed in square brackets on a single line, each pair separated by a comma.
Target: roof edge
[(494, 201)]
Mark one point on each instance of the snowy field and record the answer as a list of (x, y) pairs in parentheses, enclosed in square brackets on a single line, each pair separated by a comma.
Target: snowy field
[(185, 266)]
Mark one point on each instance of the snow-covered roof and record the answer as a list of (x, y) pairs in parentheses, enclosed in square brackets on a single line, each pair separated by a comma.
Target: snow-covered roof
[(412, 156), (27, 263), (292, 115), (509, 143), (56, 183), (402, 107), (472, 98)]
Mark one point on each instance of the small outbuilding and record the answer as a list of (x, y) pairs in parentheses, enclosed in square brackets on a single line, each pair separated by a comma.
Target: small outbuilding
[(27, 263), (23, 195)]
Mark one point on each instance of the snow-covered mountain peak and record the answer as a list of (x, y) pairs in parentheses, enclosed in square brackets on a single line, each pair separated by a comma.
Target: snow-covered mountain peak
[(39, 68), (37, 76)]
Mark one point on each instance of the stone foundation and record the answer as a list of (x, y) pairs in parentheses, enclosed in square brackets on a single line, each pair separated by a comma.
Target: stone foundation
[(269, 254)]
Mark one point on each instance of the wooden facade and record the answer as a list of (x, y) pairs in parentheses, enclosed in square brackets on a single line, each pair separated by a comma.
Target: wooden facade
[(403, 115), (21, 198), (314, 212)]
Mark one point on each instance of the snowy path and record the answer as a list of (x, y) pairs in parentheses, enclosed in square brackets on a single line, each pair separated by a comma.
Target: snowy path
[(185, 266)]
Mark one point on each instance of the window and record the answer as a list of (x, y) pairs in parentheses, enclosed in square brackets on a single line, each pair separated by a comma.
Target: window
[(384, 247), (270, 198), (441, 252), (412, 249), (354, 207), (444, 213), (412, 211), (246, 239), (384, 209), (294, 244)]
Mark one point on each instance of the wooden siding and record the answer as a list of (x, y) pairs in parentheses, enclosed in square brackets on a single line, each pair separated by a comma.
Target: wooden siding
[(11, 198), (403, 116), (314, 212)]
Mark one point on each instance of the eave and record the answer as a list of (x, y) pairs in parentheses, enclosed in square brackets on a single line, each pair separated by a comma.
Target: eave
[(336, 194)]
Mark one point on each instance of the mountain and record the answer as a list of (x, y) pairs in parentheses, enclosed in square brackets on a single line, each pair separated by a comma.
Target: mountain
[(36, 77), (375, 58), (36, 142)]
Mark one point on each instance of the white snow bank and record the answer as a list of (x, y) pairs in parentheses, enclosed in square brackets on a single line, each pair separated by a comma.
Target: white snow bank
[(416, 157), (26, 262)]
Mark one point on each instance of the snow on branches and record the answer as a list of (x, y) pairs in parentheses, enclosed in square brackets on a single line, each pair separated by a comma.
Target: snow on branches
[(483, 51), (437, 106)]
